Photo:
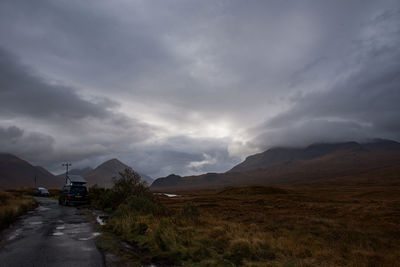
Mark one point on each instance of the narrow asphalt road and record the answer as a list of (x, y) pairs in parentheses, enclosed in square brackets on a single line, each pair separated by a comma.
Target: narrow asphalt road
[(50, 235)]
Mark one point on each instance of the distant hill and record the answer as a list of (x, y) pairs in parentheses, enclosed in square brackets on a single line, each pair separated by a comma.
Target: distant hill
[(16, 173), (169, 181), (103, 174), (279, 166), (282, 154)]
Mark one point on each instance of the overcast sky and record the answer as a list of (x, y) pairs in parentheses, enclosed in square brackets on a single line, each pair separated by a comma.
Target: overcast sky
[(189, 87)]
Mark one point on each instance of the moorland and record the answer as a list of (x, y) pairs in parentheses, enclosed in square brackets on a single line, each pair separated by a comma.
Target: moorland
[(347, 221)]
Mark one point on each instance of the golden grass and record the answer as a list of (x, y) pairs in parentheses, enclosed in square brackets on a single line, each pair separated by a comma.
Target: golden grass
[(12, 205), (348, 221), (296, 226)]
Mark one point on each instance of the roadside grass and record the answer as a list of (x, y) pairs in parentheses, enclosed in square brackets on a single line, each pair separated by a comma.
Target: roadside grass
[(302, 225), (12, 205), (29, 191)]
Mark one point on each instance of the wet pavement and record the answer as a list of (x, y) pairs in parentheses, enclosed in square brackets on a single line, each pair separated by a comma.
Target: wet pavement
[(50, 235)]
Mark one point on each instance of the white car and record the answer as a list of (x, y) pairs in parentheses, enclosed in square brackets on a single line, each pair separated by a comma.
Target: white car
[(41, 191)]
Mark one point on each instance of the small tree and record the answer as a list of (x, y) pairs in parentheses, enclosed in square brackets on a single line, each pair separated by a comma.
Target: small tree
[(130, 184)]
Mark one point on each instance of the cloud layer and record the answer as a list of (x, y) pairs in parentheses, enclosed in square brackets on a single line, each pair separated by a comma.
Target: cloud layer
[(193, 86)]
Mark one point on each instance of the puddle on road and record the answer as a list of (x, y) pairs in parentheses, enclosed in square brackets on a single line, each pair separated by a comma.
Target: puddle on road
[(100, 220), (35, 223), (41, 208), (58, 233), (15, 234), (90, 237), (76, 228), (60, 227)]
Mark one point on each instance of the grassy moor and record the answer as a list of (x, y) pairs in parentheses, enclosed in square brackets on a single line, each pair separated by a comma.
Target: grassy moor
[(349, 221), (328, 225)]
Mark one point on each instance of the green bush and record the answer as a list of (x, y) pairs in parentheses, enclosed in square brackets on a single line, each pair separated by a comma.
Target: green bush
[(102, 198), (130, 184)]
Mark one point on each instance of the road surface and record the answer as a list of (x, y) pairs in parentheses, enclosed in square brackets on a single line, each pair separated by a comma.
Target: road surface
[(51, 235)]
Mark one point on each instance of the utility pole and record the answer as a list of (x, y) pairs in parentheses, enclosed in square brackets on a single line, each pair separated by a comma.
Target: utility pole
[(66, 164)]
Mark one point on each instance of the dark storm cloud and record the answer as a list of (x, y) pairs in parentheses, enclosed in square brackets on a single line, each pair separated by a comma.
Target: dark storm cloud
[(30, 145), (102, 133), (83, 41), (215, 58), (24, 93), (178, 86), (362, 104)]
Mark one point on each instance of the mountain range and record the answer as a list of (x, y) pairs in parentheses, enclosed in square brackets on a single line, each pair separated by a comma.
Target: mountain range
[(283, 166), (16, 173), (276, 166)]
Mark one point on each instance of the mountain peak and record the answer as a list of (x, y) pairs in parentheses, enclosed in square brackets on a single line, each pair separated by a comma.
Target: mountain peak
[(112, 161), (112, 164)]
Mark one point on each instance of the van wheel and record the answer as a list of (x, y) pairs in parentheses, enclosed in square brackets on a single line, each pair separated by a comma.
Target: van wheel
[(59, 202)]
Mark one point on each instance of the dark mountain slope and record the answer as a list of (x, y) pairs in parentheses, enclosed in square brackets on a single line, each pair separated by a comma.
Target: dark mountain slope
[(288, 166), (16, 173), (44, 171), (102, 175), (281, 154), (170, 180)]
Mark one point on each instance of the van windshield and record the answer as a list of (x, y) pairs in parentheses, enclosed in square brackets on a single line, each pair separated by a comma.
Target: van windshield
[(78, 190)]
